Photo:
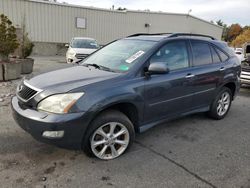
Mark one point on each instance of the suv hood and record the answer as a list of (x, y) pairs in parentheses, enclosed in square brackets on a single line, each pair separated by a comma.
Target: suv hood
[(67, 79)]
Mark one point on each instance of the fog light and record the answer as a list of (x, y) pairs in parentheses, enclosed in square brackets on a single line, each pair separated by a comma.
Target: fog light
[(53, 134)]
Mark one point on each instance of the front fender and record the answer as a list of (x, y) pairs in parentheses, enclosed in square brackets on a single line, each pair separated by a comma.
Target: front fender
[(135, 100)]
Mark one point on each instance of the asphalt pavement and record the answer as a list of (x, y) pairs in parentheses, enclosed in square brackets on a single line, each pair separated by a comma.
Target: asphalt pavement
[(193, 151)]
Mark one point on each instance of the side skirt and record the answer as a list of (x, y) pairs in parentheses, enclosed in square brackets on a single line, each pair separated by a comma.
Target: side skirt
[(152, 124)]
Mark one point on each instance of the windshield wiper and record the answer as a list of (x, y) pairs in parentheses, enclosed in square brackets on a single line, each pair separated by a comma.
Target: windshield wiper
[(100, 67), (93, 65)]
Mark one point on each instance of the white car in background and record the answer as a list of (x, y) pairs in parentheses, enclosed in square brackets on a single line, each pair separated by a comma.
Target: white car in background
[(79, 48), (239, 53)]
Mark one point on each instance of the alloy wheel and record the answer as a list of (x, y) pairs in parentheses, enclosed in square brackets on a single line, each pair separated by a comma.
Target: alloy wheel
[(110, 140), (223, 104)]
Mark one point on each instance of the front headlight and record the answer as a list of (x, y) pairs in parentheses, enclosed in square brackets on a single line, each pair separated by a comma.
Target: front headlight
[(59, 103), (72, 53)]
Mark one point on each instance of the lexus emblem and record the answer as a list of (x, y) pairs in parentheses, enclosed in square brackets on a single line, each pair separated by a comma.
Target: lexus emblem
[(20, 88)]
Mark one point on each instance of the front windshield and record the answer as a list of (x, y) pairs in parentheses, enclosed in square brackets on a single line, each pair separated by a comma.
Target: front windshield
[(84, 43), (120, 55)]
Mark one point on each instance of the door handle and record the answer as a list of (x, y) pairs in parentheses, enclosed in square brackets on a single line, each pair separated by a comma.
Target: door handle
[(190, 76), (222, 68)]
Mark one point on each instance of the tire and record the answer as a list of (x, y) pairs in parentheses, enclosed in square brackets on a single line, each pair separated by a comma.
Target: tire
[(217, 103), (95, 141)]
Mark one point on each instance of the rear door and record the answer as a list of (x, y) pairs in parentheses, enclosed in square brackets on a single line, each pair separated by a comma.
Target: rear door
[(208, 72)]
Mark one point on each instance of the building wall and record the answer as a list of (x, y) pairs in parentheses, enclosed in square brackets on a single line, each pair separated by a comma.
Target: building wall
[(55, 23)]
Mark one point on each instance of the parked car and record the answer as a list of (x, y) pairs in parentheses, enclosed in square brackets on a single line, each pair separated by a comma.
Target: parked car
[(79, 48), (239, 53), (127, 87)]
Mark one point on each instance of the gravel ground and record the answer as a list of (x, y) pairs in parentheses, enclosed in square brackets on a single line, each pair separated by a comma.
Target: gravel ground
[(42, 64), (194, 151)]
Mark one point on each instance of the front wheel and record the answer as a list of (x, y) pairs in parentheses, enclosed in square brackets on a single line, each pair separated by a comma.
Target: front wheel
[(221, 104), (109, 136)]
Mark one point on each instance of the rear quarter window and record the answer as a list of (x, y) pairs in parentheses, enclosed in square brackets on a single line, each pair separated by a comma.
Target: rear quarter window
[(215, 55), (222, 55)]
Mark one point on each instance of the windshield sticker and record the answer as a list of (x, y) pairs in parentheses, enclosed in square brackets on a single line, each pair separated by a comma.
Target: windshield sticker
[(123, 67), (135, 56)]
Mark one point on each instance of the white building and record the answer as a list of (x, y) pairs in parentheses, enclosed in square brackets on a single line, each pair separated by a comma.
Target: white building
[(50, 25)]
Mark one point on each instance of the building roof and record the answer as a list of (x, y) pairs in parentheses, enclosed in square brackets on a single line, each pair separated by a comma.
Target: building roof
[(124, 11)]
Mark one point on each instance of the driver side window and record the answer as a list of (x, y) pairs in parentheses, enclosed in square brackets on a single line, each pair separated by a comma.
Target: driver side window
[(173, 54)]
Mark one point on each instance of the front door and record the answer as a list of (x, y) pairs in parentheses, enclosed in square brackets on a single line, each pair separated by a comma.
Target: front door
[(169, 94)]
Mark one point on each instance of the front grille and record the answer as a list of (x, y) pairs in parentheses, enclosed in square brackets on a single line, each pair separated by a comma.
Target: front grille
[(81, 56), (25, 92)]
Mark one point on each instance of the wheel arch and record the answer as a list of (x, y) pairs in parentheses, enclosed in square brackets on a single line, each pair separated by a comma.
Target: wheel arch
[(133, 109), (232, 87), (128, 108)]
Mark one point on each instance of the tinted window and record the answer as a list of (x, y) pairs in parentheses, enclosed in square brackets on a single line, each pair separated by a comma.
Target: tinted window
[(216, 58), (173, 54), (201, 53), (222, 55)]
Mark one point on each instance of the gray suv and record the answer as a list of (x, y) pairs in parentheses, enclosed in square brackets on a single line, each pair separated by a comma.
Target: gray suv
[(127, 87)]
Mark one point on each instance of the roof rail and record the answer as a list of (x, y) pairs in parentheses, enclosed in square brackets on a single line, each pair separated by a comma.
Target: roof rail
[(139, 34), (191, 34)]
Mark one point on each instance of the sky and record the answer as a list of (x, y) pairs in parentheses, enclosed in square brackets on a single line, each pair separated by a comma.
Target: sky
[(229, 11)]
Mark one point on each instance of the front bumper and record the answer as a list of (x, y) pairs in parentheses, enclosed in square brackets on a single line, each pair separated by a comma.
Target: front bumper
[(36, 123), (76, 58), (72, 59)]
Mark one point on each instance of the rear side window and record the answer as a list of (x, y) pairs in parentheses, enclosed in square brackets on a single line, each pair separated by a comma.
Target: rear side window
[(216, 58), (222, 55), (201, 53)]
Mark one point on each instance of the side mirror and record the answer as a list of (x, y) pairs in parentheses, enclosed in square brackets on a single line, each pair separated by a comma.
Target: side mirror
[(67, 45), (157, 68)]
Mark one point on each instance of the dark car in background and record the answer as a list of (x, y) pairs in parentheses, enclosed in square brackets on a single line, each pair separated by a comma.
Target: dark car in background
[(127, 87)]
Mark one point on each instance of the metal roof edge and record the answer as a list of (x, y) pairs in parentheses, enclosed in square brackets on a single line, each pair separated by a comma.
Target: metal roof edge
[(206, 21), (123, 11)]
